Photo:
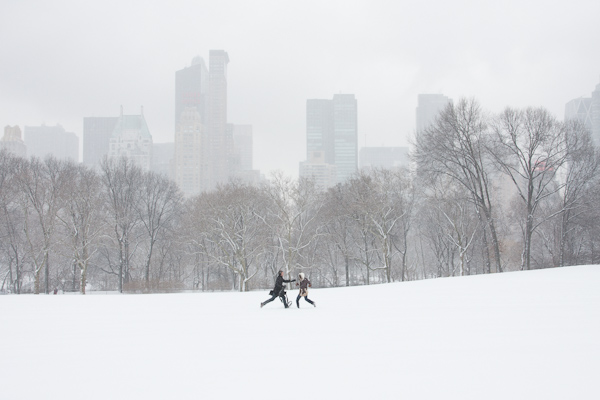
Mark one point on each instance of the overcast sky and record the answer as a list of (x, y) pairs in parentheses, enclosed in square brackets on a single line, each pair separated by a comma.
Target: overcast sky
[(65, 60)]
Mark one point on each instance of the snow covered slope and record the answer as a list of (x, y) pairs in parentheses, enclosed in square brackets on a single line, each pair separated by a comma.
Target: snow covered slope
[(519, 335)]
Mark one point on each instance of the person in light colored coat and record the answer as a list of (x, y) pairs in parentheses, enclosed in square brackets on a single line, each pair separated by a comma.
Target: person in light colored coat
[(304, 284)]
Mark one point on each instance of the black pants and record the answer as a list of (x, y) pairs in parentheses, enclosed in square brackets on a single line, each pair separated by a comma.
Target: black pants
[(305, 298), (283, 298)]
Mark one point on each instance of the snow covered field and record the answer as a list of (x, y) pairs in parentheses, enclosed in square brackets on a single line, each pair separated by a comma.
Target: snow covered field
[(519, 335)]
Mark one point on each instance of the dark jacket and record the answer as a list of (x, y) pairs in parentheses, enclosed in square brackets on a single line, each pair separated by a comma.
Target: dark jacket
[(278, 289), (304, 283)]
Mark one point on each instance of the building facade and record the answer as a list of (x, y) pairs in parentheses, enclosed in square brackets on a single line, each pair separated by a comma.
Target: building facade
[(242, 145), (383, 157), (324, 174), (12, 141), (587, 111), (596, 115), (97, 132), (209, 151), (131, 139), (191, 89), (319, 129), (220, 141), (192, 173), (51, 140), (581, 110), (429, 107), (162, 159), (332, 131)]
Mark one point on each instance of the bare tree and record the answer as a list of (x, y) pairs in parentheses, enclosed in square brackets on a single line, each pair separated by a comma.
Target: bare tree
[(460, 228), (121, 180), (456, 146), (82, 217), (530, 147), (294, 210), (339, 241), (11, 221), (360, 199), (43, 183), (157, 208), (581, 167), (236, 229)]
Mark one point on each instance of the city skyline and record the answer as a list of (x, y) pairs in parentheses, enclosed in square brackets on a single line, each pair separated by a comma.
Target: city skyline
[(511, 54)]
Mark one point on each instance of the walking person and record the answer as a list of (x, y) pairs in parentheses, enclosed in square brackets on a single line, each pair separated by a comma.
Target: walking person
[(279, 291), (304, 284)]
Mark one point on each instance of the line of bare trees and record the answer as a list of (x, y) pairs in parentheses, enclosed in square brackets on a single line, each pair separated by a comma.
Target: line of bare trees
[(488, 193), (518, 190)]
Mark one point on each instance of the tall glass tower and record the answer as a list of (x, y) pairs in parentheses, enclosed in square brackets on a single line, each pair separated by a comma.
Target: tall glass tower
[(332, 131), (428, 108)]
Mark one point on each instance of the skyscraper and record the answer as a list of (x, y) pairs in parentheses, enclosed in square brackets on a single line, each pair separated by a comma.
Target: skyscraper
[(162, 159), (131, 138), (319, 129), (332, 131), (191, 89), (587, 111), (205, 91), (44, 140), (192, 147), (192, 172), (217, 115), (428, 108), (97, 132), (242, 145), (315, 167), (596, 115), (345, 135), (12, 142)]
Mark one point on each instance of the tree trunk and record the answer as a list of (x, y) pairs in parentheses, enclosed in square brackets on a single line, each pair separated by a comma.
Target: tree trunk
[(347, 262)]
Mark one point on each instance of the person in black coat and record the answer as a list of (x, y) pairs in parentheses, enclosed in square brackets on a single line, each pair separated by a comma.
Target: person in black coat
[(279, 291)]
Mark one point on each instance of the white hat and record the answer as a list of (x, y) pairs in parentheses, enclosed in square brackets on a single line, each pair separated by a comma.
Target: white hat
[(301, 275)]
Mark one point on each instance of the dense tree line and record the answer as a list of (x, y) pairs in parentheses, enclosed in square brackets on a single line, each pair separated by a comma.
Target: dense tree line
[(487, 193)]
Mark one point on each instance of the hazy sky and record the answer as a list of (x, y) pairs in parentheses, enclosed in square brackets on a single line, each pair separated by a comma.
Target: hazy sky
[(65, 60)]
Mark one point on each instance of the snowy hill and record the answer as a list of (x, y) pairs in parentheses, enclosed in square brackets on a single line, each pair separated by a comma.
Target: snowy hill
[(519, 335)]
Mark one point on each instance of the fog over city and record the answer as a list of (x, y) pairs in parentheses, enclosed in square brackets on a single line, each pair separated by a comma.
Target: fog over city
[(66, 60)]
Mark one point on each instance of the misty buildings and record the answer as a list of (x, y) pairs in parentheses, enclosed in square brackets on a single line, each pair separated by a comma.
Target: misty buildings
[(319, 129), (428, 108), (45, 140), (220, 142), (332, 131), (383, 157), (162, 159), (209, 151), (191, 89), (324, 174), (242, 146), (131, 139), (12, 142), (587, 111), (97, 132), (191, 164), (596, 115)]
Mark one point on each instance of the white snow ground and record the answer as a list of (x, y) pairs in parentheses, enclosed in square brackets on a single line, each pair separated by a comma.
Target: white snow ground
[(520, 335)]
